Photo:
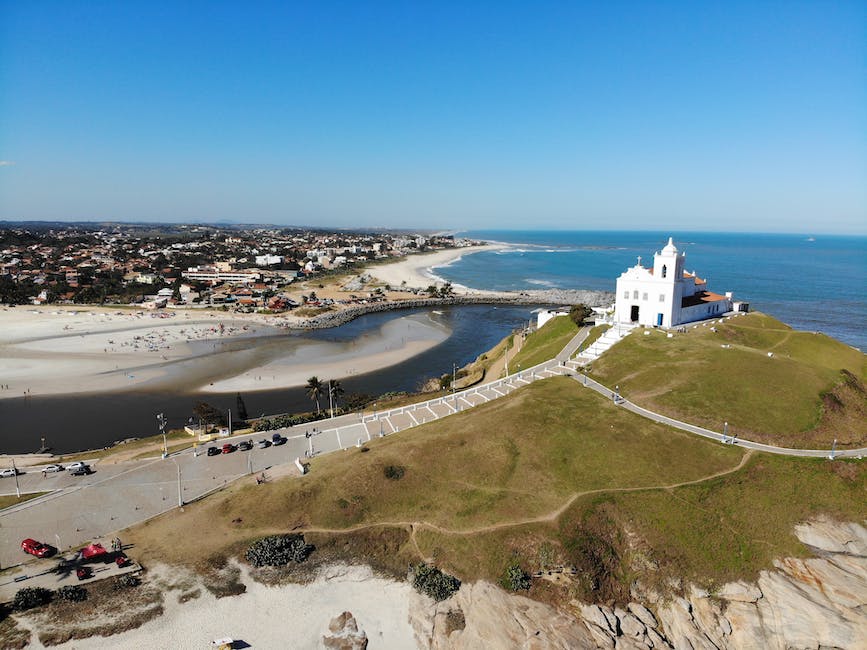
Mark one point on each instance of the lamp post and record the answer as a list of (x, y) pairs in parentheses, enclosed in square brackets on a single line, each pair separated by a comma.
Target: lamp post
[(161, 419), (15, 473), (454, 372), (180, 495)]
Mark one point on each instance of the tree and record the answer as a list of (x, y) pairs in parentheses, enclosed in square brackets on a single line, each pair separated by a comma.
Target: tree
[(515, 578), (242, 408), (580, 313), (336, 390), (446, 291), (314, 390), (208, 414)]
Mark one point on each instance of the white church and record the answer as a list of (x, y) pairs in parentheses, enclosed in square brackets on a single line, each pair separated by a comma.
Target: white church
[(666, 295)]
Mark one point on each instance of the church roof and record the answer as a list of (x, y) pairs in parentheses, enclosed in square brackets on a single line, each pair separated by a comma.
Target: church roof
[(670, 248), (701, 297)]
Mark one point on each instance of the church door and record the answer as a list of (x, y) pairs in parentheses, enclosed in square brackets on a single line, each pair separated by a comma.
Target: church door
[(659, 320), (634, 315)]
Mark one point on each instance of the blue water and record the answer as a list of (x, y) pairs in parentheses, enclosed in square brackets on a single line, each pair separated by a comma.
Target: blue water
[(811, 285)]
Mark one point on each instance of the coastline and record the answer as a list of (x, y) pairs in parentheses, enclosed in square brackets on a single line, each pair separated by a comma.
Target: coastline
[(416, 271), (101, 350)]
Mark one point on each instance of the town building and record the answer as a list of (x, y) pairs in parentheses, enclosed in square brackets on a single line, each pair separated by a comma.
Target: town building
[(666, 295)]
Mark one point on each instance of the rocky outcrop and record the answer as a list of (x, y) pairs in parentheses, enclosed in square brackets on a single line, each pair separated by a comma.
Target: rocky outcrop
[(344, 634), (814, 603), (492, 618)]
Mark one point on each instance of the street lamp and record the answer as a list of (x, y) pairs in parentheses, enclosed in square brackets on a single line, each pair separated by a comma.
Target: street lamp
[(161, 419)]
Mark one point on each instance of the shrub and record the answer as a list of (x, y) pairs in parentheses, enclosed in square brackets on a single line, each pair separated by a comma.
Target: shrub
[(31, 597), (394, 472), (126, 581), (580, 313), (430, 580), (515, 579), (72, 593), (278, 550)]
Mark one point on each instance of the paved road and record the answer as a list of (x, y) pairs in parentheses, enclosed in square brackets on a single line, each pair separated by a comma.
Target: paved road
[(80, 509)]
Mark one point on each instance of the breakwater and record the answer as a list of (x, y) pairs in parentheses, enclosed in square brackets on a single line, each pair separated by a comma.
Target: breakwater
[(523, 298)]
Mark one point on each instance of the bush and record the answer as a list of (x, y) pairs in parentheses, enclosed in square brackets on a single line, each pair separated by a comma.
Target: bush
[(72, 593), (394, 472), (430, 580), (580, 313), (31, 597), (126, 581), (278, 550), (515, 579)]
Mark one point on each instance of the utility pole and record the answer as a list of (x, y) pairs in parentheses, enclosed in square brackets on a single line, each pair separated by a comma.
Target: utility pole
[(180, 496), (15, 471), (454, 372)]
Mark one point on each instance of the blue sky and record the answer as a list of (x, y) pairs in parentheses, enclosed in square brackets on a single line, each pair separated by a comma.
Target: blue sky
[(652, 115)]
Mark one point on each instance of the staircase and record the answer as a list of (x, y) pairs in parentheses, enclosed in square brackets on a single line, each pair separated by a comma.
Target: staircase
[(600, 345)]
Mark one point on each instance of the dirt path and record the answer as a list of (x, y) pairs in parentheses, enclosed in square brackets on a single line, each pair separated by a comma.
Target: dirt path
[(414, 526)]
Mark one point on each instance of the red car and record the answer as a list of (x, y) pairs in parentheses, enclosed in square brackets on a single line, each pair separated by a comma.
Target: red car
[(35, 548), (228, 448)]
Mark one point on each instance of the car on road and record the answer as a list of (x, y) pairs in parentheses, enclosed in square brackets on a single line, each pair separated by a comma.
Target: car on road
[(9, 472), (51, 469), (213, 451), (280, 441), (264, 443), (228, 448), (84, 470), (245, 445), (36, 548), (76, 465)]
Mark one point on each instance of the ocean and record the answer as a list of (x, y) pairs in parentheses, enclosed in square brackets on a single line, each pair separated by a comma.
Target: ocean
[(811, 283)]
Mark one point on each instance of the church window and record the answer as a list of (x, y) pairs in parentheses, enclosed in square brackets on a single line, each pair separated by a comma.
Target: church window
[(662, 297), (626, 294), (664, 270), (644, 296), (635, 295)]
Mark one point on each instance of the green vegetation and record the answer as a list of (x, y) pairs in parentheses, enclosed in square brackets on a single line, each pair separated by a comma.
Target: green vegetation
[(545, 343), (152, 443), (799, 396), (278, 550), (11, 500), (432, 581)]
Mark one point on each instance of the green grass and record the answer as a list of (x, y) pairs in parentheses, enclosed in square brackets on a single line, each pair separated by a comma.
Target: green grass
[(179, 436), (9, 501), (545, 343), (776, 399), (512, 459)]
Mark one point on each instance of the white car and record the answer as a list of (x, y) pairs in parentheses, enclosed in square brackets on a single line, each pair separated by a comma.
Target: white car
[(76, 465), (53, 468), (8, 472)]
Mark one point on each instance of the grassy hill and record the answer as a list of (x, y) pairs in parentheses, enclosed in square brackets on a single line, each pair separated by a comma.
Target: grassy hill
[(551, 475), (545, 343), (809, 391)]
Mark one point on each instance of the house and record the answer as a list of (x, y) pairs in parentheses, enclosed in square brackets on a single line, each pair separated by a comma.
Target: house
[(666, 295)]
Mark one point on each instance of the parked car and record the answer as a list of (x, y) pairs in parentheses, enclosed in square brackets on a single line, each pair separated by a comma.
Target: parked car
[(4, 473), (275, 437), (213, 451), (245, 445), (264, 443), (36, 548), (228, 448), (280, 441), (53, 468), (84, 470), (76, 465)]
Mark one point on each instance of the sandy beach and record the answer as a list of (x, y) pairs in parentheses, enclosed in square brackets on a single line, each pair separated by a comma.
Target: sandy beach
[(418, 270), (288, 616), (62, 350)]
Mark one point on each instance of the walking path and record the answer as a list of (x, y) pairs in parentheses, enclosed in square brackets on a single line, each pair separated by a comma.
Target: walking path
[(80, 509)]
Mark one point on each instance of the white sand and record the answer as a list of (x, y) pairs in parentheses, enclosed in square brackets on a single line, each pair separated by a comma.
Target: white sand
[(418, 270), (49, 351), (290, 616)]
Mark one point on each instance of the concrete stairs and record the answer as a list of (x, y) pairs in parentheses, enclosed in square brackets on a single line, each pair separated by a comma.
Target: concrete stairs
[(603, 343)]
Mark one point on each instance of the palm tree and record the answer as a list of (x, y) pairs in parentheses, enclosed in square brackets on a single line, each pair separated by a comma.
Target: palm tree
[(336, 390), (314, 390)]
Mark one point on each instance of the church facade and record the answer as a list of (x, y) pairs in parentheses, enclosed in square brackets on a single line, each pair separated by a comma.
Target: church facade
[(666, 295)]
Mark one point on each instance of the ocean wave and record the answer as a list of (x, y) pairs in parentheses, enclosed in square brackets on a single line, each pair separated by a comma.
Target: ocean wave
[(541, 283)]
